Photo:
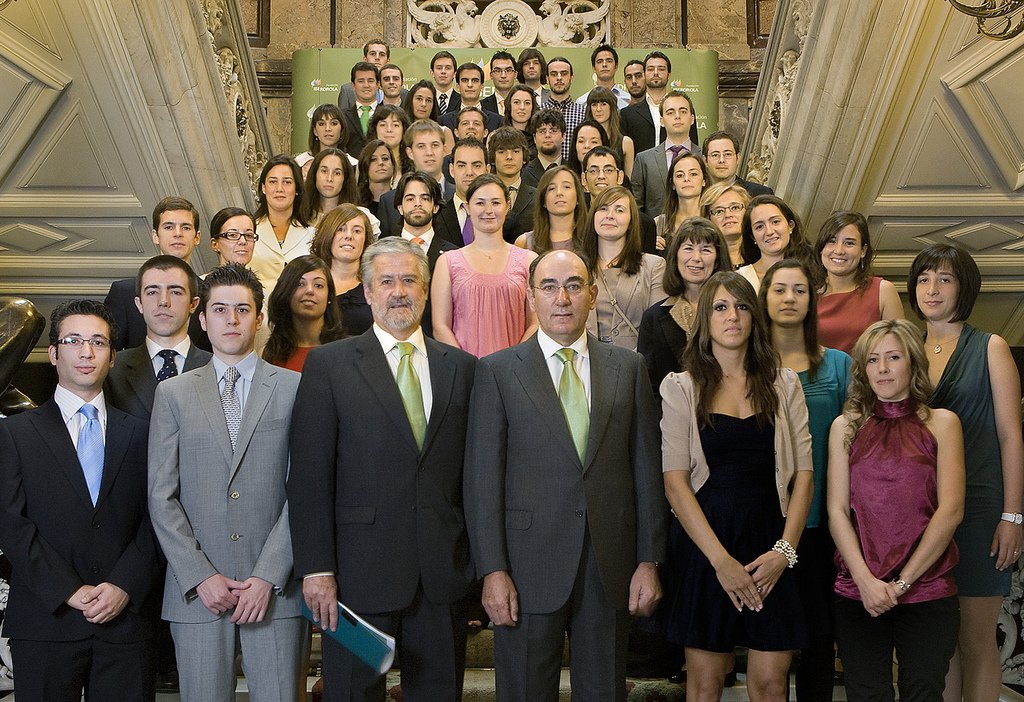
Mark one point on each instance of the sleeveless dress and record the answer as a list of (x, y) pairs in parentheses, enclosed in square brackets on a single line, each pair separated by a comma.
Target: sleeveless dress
[(488, 310), (741, 504), (892, 464), (966, 389), (843, 317)]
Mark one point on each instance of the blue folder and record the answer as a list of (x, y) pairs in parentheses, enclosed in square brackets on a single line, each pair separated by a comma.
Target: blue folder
[(367, 642)]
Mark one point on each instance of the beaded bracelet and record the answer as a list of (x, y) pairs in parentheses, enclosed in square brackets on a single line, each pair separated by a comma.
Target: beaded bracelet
[(786, 549)]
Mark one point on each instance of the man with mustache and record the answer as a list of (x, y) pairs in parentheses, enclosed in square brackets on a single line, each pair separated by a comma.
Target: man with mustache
[(375, 491)]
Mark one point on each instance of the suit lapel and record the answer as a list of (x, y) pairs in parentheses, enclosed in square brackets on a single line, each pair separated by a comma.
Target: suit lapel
[(196, 358), (536, 381), (442, 382), (604, 378), (209, 399), (264, 382), (661, 168), (375, 370), (53, 433), (115, 445), (140, 375)]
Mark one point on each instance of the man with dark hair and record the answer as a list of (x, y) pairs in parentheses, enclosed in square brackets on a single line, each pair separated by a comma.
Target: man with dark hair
[(469, 160), (642, 121), (602, 168), (470, 78), (167, 293), (721, 150), (391, 80), (503, 77), (650, 169), (377, 53), (423, 142), (507, 151), (548, 127), (560, 79), (387, 537), (562, 435), (175, 233), (365, 87), (633, 77), (418, 198), (74, 525), (218, 461), (442, 72), (533, 73), (605, 61)]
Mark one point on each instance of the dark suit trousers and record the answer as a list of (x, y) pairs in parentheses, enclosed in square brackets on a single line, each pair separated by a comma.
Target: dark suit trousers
[(58, 671), (431, 648), (528, 656)]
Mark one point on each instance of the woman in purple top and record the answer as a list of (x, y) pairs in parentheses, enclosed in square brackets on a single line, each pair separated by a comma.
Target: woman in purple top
[(895, 497)]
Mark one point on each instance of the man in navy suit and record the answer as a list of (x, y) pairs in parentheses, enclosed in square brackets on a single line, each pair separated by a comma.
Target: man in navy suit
[(73, 523), (442, 72), (175, 233), (167, 293), (375, 491), (503, 77), (507, 151)]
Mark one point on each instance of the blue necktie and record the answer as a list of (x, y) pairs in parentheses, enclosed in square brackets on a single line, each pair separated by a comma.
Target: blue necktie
[(90, 450)]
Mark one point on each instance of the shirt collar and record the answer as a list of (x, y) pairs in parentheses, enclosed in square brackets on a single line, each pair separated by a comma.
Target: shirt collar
[(549, 347), (387, 341), (182, 348), (69, 403), (246, 367)]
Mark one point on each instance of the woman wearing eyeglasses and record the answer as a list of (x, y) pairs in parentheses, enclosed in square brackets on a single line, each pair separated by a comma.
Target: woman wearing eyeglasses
[(725, 205), (233, 236)]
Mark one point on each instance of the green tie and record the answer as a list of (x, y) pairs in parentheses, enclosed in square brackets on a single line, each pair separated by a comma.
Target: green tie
[(412, 394), (574, 401), (364, 117)]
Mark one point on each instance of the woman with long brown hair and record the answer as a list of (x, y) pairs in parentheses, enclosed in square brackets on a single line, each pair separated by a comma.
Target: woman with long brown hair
[(559, 212), (686, 180)]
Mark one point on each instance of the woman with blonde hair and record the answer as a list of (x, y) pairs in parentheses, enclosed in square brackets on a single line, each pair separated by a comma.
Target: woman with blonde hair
[(724, 204), (895, 497)]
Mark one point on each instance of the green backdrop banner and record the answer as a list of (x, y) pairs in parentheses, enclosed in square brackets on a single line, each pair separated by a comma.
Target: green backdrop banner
[(318, 74)]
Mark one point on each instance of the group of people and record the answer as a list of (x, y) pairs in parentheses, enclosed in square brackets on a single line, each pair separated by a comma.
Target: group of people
[(477, 332)]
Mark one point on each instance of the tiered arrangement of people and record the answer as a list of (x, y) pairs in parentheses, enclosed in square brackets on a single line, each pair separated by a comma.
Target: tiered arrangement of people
[(497, 306)]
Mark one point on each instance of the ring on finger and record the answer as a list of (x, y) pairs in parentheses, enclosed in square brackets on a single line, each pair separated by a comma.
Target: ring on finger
[(759, 588)]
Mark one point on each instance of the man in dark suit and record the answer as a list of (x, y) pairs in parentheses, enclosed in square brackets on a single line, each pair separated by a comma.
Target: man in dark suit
[(503, 77), (469, 161), (533, 73), (564, 499), (721, 150), (423, 142), (376, 495), (641, 120), (365, 84), (378, 53), (442, 72), (488, 121), (507, 151), (650, 169), (167, 295), (548, 127), (73, 523), (175, 233)]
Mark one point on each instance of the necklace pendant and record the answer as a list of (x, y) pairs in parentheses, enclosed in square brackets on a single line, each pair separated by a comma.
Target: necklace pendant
[(938, 348)]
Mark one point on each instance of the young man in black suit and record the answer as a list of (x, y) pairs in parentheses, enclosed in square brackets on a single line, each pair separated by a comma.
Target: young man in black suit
[(721, 151), (74, 524), (507, 152)]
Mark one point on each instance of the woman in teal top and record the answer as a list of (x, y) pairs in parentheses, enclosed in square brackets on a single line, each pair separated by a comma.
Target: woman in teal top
[(790, 300)]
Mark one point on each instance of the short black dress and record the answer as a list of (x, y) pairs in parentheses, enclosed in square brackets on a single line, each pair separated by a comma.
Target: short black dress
[(741, 504)]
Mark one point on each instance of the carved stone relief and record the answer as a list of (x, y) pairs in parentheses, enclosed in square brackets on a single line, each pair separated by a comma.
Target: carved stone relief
[(507, 23)]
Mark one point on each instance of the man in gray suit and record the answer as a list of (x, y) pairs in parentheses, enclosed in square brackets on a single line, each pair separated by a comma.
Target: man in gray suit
[(166, 293), (378, 435), (218, 461), (564, 498), (650, 169)]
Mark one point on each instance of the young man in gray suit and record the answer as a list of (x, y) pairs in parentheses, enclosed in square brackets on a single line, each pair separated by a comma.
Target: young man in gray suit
[(166, 293), (375, 492), (650, 170), (564, 498), (218, 461)]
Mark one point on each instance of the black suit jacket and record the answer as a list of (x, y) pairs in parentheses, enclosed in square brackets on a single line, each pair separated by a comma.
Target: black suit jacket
[(131, 383), (522, 210), (363, 501), (356, 138), (454, 104), (492, 120), (532, 172), (753, 188), (636, 123), (661, 342), (490, 104), (57, 541), (131, 326), (391, 221), (446, 225)]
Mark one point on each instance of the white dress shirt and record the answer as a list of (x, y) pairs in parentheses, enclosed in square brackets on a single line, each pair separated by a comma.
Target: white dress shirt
[(427, 237), (246, 370), (69, 403), (549, 347), (419, 361), (182, 350)]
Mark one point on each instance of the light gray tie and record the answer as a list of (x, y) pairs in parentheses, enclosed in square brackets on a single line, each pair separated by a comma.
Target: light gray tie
[(232, 404)]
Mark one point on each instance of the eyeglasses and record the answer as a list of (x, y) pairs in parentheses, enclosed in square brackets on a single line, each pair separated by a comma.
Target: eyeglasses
[(594, 171), (235, 235), (96, 342), (734, 208), (551, 289), (503, 70)]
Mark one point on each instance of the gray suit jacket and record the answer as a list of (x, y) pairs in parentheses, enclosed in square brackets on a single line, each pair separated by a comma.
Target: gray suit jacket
[(529, 498), (215, 511), (650, 171), (131, 383)]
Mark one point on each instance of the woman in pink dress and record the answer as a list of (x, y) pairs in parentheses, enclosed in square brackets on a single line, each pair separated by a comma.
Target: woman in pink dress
[(478, 294)]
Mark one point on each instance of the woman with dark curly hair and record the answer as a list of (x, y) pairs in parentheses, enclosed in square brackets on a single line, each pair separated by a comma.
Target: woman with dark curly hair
[(771, 232), (283, 232), (377, 169)]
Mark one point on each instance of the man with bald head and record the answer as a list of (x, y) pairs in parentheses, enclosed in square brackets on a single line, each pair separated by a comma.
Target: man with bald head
[(564, 500)]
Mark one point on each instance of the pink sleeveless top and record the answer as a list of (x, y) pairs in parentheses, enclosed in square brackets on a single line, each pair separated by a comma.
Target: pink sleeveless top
[(488, 311), (893, 495), (843, 317)]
